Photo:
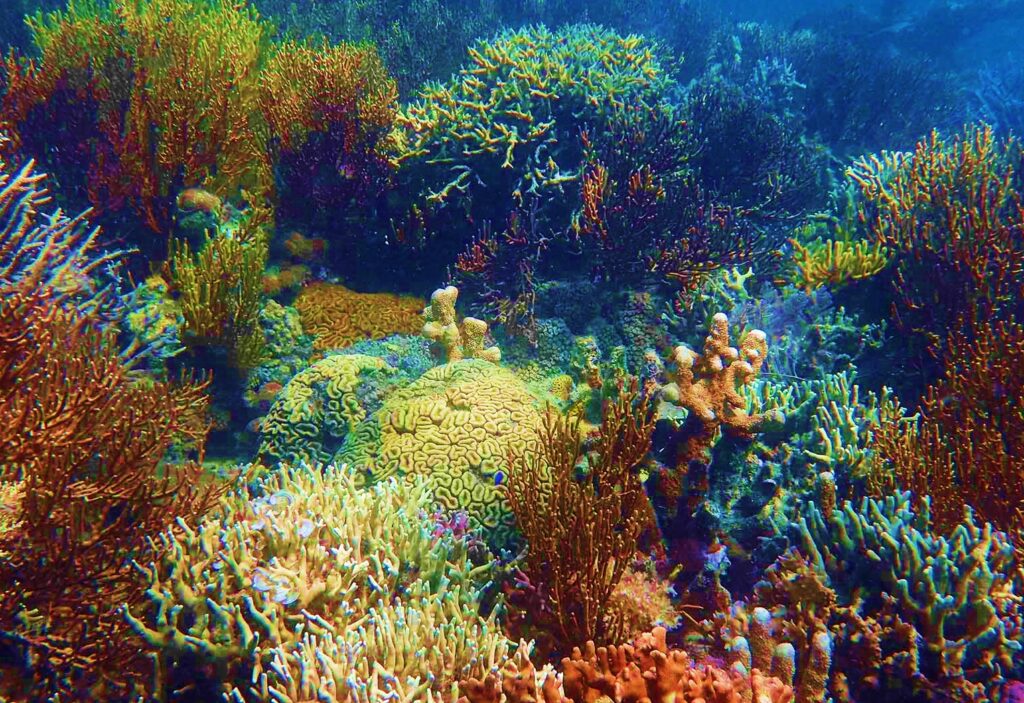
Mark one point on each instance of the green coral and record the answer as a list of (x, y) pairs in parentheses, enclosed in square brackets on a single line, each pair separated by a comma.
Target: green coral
[(961, 592), (516, 107), (314, 413), (308, 581), (455, 426)]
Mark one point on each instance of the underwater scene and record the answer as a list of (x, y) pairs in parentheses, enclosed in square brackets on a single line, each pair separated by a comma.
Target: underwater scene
[(511, 351)]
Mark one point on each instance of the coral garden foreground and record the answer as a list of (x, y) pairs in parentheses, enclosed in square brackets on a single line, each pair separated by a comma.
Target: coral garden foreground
[(560, 369)]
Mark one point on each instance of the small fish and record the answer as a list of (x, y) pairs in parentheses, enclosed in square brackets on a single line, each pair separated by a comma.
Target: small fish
[(499, 478)]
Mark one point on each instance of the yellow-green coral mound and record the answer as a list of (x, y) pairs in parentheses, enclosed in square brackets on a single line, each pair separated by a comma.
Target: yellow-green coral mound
[(455, 425), (309, 585), (314, 413)]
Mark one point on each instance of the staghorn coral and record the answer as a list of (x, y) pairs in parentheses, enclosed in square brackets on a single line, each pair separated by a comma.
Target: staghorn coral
[(321, 405), (455, 426), (457, 343), (647, 670), (307, 582), (338, 317), (85, 442), (582, 532)]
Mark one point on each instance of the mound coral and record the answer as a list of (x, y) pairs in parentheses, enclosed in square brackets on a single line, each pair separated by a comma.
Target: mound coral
[(338, 317), (307, 584), (320, 406), (456, 426)]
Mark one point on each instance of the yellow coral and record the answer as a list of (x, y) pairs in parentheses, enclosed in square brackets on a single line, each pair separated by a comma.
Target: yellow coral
[(456, 425), (338, 317), (836, 262), (319, 404), (440, 326)]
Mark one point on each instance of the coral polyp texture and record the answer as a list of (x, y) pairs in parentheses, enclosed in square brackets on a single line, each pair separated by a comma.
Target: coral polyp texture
[(338, 317), (308, 582), (468, 351), (456, 426)]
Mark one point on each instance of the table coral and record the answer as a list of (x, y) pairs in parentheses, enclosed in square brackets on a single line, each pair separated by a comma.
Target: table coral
[(456, 426), (321, 405), (338, 317), (308, 581)]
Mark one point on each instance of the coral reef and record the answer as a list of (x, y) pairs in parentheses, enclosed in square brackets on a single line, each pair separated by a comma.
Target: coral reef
[(317, 584), (338, 317)]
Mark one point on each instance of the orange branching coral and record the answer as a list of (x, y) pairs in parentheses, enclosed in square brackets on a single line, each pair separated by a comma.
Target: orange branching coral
[(646, 671), (967, 444), (950, 213), (305, 89), (338, 317), (708, 386), (85, 438), (582, 534)]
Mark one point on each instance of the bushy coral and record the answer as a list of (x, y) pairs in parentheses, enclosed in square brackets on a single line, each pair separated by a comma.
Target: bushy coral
[(455, 426), (307, 582)]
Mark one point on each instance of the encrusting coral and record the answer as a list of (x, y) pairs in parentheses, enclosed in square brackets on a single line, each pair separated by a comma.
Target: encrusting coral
[(338, 317), (307, 584)]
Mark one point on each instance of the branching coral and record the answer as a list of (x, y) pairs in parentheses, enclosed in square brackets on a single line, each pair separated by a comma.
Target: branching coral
[(951, 212), (960, 593), (310, 582), (647, 670), (582, 533), (167, 94), (465, 342), (84, 438), (708, 386), (967, 444)]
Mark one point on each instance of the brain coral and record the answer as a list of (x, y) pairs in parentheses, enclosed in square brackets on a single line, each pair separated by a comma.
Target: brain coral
[(455, 425), (338, 317), (313, 414)]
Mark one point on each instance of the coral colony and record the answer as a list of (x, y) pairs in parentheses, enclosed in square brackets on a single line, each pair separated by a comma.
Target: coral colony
[(473, 352)]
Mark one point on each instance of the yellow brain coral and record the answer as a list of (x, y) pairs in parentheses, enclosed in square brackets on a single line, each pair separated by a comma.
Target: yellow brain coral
[(456, 426), (338, 317), (320, 406)]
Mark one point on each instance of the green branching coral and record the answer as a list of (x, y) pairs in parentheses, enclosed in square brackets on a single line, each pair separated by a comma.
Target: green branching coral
[(456, 426), (960, 592), (318, 408), (309, 582), (514, 109)]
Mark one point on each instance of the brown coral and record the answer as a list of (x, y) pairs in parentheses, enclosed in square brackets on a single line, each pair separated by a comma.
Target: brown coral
[(644, 672), (440, 326), (338, 317)]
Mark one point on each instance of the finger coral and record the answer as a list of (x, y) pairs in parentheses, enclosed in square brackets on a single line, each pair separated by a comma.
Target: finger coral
[(465, 342), (306, 583), (646, 670)]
